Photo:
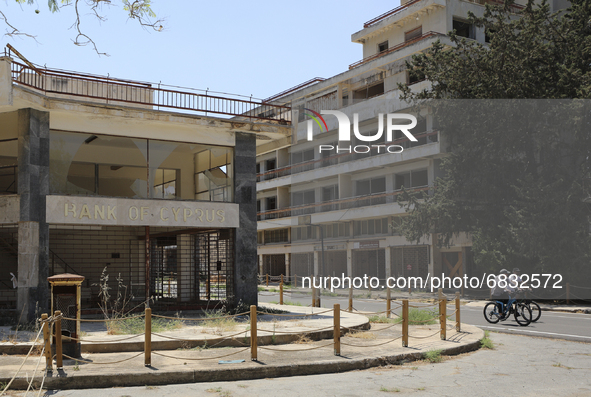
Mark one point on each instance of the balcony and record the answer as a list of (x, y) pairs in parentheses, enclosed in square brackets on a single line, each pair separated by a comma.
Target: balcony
[(396, 48), (423, 139), (335, 205)]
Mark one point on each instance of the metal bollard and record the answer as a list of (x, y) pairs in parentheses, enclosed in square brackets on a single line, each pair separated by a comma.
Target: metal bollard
[(458, 326), (46, 336), (388, 304), (253, 333), (59, 357), (148, 338), (337, 329), (405, 323), (281, 292), (442, 318)]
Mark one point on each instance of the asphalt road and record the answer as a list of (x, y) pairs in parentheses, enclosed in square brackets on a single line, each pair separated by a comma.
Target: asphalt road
[(559, 325), (518, 366)]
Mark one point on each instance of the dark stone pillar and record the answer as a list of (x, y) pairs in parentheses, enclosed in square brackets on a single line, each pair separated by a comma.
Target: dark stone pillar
[(245, 280), (33, 231)]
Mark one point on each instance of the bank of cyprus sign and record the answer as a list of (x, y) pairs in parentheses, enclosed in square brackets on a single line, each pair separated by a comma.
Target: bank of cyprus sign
[(135, 212)]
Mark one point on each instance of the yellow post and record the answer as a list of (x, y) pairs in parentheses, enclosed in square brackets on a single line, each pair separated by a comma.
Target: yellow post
[(337, 329), (442, 317), (253, 333), (567, 293), (59, 363), (350, 309), (148, 339), (267, 280), (46, 335), (388, 304), (405, 323), (281, 291), (458, 326)]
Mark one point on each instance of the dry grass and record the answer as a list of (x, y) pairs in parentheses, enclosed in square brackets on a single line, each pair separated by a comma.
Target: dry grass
[(363, 335), (303, 339)]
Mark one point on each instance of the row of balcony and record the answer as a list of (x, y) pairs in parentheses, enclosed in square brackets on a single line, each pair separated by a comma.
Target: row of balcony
[(423, 139), (335, 205)]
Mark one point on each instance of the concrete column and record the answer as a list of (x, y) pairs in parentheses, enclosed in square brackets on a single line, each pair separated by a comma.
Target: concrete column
[(316, 263), (5, 82), (388, 260), (282, 157), (349, 262), (33, 231), (345, 186), (287, 265), (339, 96), (283, 197), (245, 277)]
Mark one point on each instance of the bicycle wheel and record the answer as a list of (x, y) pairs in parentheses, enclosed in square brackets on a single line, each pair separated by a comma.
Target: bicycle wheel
[(522, 314), (492, 313), (536, 312)]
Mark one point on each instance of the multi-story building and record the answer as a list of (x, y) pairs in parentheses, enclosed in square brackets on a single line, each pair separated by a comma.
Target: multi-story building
[(153, 185), (352, 196)]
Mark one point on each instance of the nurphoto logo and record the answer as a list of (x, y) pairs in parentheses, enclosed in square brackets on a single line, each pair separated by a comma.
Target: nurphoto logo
[(392, 124)]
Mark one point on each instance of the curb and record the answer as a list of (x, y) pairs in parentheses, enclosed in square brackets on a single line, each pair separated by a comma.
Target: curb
[(149, 377)]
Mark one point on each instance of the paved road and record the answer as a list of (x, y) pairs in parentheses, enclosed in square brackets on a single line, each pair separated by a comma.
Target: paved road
[(569, 326), (519, 366)]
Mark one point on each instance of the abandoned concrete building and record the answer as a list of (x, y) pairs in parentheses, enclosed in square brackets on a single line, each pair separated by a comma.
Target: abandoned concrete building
[(152, 185), (348, 196)]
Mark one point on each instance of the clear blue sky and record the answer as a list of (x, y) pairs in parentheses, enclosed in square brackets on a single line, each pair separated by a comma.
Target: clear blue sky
[(254, 48)]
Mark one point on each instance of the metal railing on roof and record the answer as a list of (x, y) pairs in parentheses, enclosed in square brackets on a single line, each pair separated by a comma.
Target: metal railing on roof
[(295, 88), (388, 14), (147, 95), (395, 48)]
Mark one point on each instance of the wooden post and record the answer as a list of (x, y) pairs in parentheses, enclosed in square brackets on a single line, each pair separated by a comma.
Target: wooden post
[(567, 293), (337, 329), (350, 309), (148, 338), (281, 279), (253, 333), (46, 336), (458, 326), (281, 291), (409, 290), (440, 294), (267, 280), (313, 295), (388, 304), (405, 323), (442, 318), (59, 358)]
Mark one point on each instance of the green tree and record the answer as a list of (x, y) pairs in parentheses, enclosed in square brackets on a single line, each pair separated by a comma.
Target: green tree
[(137, 10), (519, 187)]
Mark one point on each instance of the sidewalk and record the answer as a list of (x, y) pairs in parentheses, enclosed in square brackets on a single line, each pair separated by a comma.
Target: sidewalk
[(364, 349)]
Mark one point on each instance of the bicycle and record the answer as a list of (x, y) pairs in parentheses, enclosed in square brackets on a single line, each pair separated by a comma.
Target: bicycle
[(498, 311), (536, 311)]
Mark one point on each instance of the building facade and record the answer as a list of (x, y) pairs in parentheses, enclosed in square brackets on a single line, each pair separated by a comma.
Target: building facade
[(127, 183), (349, 194)]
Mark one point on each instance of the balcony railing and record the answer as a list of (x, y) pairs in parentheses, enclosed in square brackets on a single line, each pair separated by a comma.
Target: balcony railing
[(147, 95), (388, 14), (334, 205), (395, 48), (425, 138)]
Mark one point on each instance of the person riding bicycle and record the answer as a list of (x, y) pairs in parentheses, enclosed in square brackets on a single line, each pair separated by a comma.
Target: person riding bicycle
[(516, 284), (500, 291)]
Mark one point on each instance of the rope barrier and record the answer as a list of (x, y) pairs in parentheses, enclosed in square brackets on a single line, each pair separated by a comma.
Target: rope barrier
[(35, 371), (23, 363), (295, 315), (201, 318), (424, 337), (202, 358), (423, 307), (112, 362), (196, 340), (103, 320), (579, 298), (303, 333), (425, 321), (67, 338), (373, 330), (576, 286), (296, 350), (378, 344)]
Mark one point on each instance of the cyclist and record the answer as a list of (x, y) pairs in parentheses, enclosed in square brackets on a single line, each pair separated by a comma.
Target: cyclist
[(500, 291)]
